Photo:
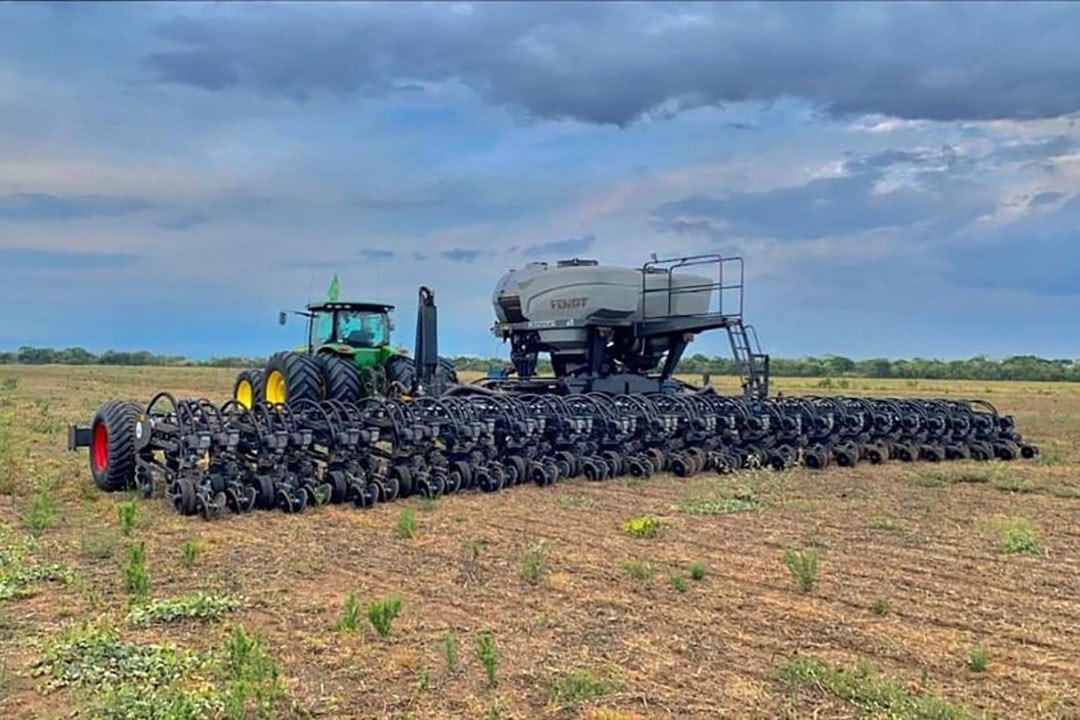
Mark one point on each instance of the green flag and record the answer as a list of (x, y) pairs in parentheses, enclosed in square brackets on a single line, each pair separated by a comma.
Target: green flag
[(335, 288)]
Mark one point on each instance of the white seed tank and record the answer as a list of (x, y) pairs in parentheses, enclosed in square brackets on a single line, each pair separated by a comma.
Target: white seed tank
[(585, 292)]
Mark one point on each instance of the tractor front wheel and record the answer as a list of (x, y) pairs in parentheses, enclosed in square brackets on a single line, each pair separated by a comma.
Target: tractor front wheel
[(112, 445), (291, 376)]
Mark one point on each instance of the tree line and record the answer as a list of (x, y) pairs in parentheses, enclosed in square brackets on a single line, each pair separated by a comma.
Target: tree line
[(980, 367)]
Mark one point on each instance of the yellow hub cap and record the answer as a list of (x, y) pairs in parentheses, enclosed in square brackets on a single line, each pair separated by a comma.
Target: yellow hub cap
[(244, 393), (275, 387)]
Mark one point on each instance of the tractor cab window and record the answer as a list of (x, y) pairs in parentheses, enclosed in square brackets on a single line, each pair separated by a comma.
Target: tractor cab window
[(362, 328), (322, 328)]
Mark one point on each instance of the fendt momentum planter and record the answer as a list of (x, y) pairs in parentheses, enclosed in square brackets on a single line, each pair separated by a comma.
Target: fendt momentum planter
[(612, 406)]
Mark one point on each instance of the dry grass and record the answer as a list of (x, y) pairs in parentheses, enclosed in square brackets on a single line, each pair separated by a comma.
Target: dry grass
[(711, 651)]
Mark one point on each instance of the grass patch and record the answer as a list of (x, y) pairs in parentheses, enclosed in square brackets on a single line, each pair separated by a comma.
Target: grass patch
[(874, 694), (576, 501), (382, 613), (8, 466), (197, 606), (644, 526), (978, 658), (254, 683), (487, 651), (881, 606), (97, 545), (639, 569), (697, 571), (679, 583), (406, 524), (723, 497), (803, 566), (578, 685), (534, 566), (42, 514), (886, 524)]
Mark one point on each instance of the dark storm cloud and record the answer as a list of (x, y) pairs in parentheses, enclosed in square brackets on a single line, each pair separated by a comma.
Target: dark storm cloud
[(43, 207), (562, 248), (461, 255), (614, 63)]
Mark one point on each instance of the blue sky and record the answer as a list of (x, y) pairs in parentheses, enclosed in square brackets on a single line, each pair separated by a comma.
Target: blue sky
[(901, 179)]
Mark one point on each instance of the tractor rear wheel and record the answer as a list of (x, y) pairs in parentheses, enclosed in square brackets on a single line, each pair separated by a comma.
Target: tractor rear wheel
[(339, 376), (248, 388), (291, 376), (112, 445)]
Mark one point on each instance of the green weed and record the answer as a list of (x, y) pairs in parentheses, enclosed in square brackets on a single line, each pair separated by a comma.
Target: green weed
[(644, 526), (639, 569), (487, 651), (887, 524), (978, 658), (1017, 535), (136, 576), (803, 566), (381, 613), (880, 606), (254, 685), (679, 583), (125, 513), (406, 524), (42, 515), (197, 606), (188, 552), (579, 685), (350, 615), (697, 571), (16, 578), (450, 651), (534, 567), (875, 695)]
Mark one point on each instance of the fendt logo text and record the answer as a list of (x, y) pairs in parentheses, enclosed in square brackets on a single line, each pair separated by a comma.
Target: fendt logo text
[(568, 303)]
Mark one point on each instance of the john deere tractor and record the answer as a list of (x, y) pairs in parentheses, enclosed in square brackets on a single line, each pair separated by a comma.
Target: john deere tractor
[(348, 356)]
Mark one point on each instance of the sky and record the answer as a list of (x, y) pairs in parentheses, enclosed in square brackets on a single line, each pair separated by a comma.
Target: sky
[(901, 179)]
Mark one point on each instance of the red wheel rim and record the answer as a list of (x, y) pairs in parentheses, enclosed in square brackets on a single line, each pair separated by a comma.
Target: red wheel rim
[(99, 446)]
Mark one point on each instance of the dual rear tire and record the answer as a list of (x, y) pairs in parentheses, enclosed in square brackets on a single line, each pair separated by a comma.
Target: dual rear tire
[(290, 376)]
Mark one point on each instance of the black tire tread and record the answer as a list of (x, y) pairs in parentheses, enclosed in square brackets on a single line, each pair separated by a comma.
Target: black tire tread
[(119, 417), (303, 380), (340, 377)]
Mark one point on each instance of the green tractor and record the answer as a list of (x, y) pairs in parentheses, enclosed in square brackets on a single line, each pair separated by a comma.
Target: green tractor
[(348, 356)]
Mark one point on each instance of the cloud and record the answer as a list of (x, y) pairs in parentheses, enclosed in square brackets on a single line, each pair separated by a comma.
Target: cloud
[(18, 259), (1042, 149), (1045, 198), (44, 207), (185, 221), (461, 255), (376, 254), (614, 64), (1038, 254), (562, 248)]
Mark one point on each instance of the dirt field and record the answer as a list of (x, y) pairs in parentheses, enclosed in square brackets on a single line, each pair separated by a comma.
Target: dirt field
[(959, 586)]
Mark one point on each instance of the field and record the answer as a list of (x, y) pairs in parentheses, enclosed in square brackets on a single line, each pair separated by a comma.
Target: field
[(939, 591)]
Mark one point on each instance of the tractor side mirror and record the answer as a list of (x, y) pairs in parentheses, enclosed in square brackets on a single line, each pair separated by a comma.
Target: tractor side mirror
[(390, 324), (281, 316)]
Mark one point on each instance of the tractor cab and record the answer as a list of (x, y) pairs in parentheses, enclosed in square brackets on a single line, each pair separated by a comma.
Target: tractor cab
[(357, 325)]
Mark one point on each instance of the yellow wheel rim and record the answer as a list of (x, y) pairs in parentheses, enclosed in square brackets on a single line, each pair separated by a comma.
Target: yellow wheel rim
[(275, 387), (244, 393)]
